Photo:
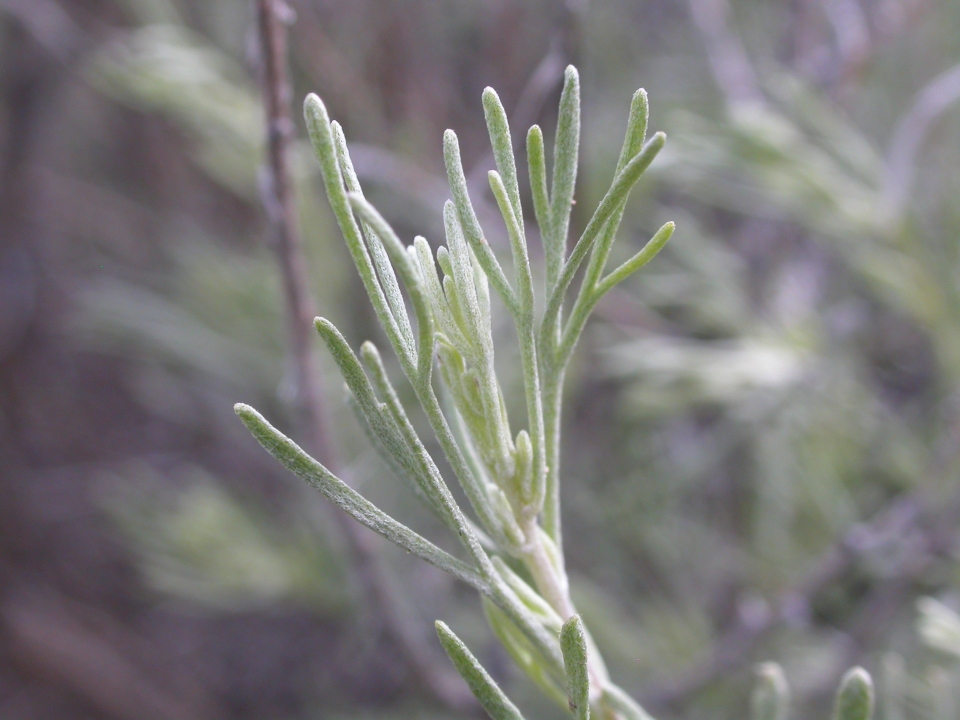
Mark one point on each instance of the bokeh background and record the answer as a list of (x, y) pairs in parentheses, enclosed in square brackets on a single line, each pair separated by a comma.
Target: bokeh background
[(762, 430)]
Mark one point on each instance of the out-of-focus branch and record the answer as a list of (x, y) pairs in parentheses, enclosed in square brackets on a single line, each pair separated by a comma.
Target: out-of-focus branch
[(922, 530), (331, 69), (852, 32), (99, 662), (387, 168), (942, 92), (49, 24), (280, 202), (728, 58), (547, 76)]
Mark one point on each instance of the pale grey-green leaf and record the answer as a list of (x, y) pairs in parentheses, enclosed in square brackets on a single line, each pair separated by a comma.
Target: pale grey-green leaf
[(855, 697), (483, 687), (573, 645)]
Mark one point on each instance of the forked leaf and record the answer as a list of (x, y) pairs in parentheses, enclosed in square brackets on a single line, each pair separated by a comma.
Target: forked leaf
[(855, 696), (573, 645), (588, 298), (483, 687), (615, 197), (645, 255)]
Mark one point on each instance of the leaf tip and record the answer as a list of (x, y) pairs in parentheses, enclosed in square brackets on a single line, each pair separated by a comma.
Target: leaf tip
[(771, 694), (855, 698), (314, 109), (248, 416), (324, 327), (369, 353)]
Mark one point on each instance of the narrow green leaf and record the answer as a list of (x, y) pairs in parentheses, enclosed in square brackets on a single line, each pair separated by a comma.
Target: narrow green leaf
[(406, 474), (573, 645), (518, 244), (471, 226), (362, 390), (292, 457), (632, 144), (483, 687), (381, 261), (525, 488), (411, 279), (537, 167), (427, 477), (443, 320), (565, 154), (588, 300), (770, 699), (461, 266), (534, 494), (499, 131), (855, 696), (645, 255), (324, 146), (636, 129)]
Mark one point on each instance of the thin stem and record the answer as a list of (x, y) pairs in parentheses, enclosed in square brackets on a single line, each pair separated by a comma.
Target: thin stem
[(552, 398), (550, 579)]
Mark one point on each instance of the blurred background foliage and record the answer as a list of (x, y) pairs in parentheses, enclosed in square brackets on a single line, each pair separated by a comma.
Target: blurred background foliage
[(762, 428)]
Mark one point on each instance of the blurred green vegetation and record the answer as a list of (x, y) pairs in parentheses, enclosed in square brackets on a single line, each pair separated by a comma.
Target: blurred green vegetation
[(763, 426)]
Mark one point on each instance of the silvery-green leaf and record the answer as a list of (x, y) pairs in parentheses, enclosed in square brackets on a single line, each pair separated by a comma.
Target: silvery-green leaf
[(855, 696), (292, 457), (573, 644), (770, 699), (483, 687)]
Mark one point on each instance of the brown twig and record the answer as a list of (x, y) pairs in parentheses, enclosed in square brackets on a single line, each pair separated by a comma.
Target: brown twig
[(280, 202)]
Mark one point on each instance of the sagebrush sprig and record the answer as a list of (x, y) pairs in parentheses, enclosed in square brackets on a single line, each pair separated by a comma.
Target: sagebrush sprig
[(435, 309)]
